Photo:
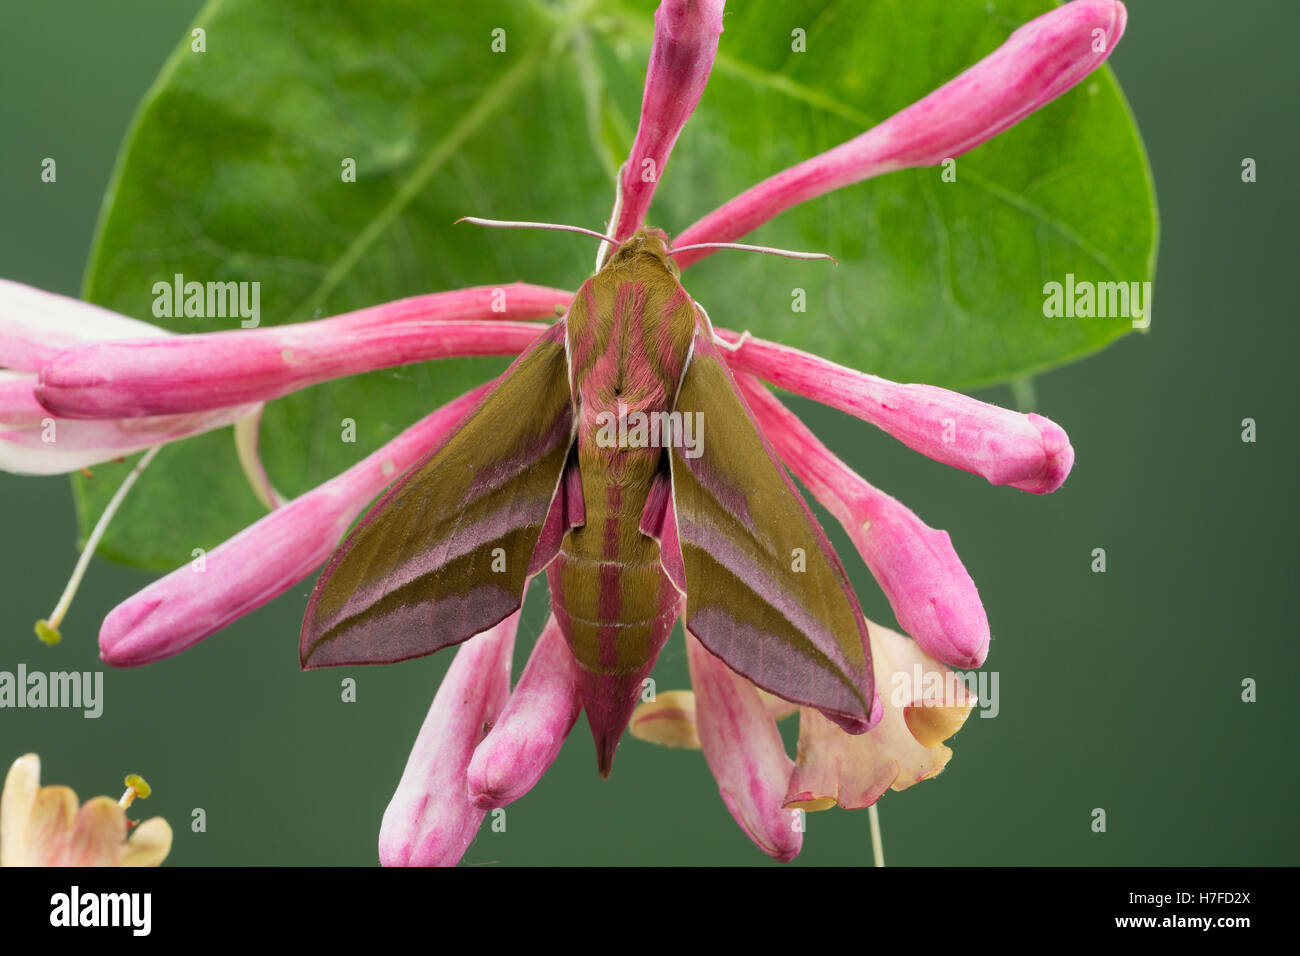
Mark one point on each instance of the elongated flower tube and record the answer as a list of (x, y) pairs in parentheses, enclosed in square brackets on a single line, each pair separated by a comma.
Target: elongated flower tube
[(904, 748), (530, 731), (1028, 452), (929, 589), (191, 373), (1043, 59), (681, 57), (431, 820), (743, 748), (34, 327), (267, 558)]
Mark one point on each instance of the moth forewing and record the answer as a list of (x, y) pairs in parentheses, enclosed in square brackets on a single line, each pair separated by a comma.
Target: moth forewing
[(764, 590), (447, 552)]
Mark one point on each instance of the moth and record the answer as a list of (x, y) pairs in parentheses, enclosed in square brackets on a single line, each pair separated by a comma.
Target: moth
[(616, 456)]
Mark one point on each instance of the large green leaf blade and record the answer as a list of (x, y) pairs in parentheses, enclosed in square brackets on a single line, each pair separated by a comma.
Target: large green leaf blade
[(232, 172)]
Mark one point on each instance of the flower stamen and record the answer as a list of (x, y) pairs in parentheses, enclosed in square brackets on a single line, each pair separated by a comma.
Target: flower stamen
[(136, 786), (47, 629)]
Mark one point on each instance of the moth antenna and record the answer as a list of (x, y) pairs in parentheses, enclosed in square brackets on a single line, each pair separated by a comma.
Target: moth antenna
[(554, 226), (787, 253)]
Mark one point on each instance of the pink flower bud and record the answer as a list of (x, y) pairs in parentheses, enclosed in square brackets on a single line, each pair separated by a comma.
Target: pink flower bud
[(430, 820), (528, 735), (744, 751), (1043, 59), (685, 43), (1028, 452)]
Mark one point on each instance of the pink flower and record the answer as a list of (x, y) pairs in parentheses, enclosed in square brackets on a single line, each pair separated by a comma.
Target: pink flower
[(483, 744)]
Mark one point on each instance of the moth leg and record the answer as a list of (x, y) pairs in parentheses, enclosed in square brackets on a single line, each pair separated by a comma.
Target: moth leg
[(715, 338), (732, 346)]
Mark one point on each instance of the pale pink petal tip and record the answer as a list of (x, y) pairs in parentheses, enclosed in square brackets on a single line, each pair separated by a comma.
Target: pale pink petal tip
[(1058, 458)]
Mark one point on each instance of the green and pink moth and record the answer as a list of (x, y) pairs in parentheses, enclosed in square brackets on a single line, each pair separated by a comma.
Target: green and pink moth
[(512, 479)]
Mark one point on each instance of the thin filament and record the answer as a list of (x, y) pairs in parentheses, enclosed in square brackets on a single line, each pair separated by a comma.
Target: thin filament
[(557, 227), (65, 601), (744, 247)]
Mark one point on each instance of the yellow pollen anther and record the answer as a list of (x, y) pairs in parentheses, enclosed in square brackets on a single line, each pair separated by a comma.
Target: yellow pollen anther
[(136, 786), (48, 633)]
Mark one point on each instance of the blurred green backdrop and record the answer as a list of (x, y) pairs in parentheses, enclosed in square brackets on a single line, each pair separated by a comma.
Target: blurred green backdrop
[(1119, 690)]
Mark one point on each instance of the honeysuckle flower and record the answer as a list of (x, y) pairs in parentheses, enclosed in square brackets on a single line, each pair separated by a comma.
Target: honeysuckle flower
[(686, 41), (482, 744), (903, 749), (921, 704), (48, 826)]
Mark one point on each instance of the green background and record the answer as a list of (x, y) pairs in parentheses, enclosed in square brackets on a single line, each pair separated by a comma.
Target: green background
[(1119, 690)]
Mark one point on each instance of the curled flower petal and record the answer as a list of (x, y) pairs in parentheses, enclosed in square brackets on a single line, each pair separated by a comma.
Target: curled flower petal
[(33, 441), (1028, 452), (149, 844), (681, 57), (35, 325), (853, 771), (744, 751), (187, 373), (668, 720), (19, 796), (530, 731), (268, 557), (928, 587), (1040, 61), (431, 820)]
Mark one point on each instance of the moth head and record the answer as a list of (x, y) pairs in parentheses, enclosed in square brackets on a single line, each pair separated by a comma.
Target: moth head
[(645, 243)]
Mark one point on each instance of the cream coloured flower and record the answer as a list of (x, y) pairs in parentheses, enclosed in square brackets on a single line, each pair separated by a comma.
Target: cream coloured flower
[(48, 826)]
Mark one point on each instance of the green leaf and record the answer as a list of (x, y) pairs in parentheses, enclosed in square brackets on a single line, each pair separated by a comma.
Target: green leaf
[(232, 172)]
